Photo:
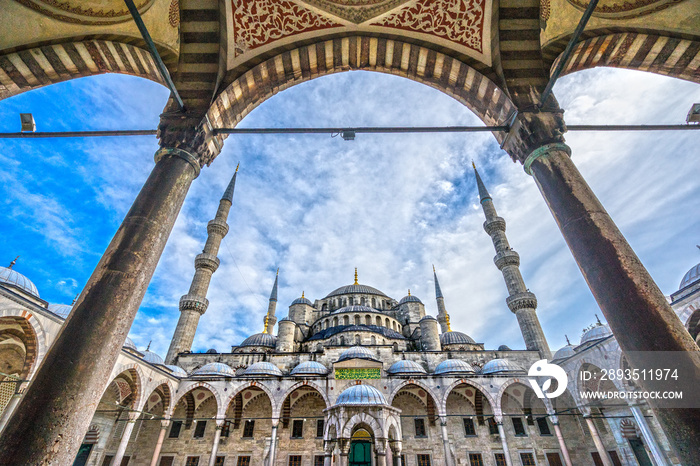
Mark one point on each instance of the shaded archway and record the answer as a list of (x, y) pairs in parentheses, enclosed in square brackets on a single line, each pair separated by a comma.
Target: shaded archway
[(248, 420), (419, 417), (18, 354)]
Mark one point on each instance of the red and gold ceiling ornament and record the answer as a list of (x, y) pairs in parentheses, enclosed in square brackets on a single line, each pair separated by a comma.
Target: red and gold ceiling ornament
[(357, 11), (625, 9), (90, 12), (259, 22), (459, 21)]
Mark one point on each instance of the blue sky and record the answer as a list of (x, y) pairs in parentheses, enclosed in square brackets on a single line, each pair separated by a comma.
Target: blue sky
[(317, 206)]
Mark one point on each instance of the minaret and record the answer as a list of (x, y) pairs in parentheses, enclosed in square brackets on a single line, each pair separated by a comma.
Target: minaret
[(270, 318), (195, 302), (520, 300), (442, 317)]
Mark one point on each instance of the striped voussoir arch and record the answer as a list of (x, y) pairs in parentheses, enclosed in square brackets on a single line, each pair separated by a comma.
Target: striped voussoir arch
[(679, 58), (29, 69), (411, 61)]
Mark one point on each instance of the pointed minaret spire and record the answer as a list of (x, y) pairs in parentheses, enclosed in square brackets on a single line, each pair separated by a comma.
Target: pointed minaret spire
[(442, 317), (270, 319), (15, 261), (520, 300), (195, 303)]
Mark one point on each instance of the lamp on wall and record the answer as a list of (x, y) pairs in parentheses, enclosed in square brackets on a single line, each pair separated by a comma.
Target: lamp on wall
[(28, 123), (693, 114)]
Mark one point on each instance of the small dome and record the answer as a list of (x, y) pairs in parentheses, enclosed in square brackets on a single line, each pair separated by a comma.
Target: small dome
[(11, 277), (310, 368), (177, 371), (263, 368), (214, 369), (129, 344), (212, 351), (427, 317), (302, 300), (61, 310), (354, 308), (260, 339), (355, 289), (361, 395), (406, 367), (151, 357), (565, 352), (453, 366), (456, 338), (597, 332), (504, 348), (357, 352), (410, 299), (495, 366), (692, 276)]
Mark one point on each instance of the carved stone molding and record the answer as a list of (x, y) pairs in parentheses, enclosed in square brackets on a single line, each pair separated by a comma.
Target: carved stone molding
[(625, 9), (97, 12)]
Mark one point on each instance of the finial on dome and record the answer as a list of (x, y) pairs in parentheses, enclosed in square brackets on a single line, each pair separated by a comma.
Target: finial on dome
[(355, 277), (409, 292), (302, 295), (447, 321), (567, 340), (596, 318), (149, 345), (267, 320), (15, 261)]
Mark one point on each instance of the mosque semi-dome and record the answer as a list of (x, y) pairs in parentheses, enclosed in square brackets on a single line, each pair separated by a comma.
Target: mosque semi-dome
[(498, 365), (691, 276), (456, 338), (311, 368), (14, 278), (405, 367), (453, 366), (357, 352), (360, 395), (214, 369), (263, 369), (260, 339), (61, 310)]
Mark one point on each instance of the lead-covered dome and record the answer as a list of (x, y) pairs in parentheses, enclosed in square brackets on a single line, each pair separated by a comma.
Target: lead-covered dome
[(355, 289), (152, 358), (177, 370), (456, 338), (302, 300), (453, 366), (564, 352), (691, 276), (354, 308), (410, 299), (498, 365), (61, 310), (357, 352), (406, 368), (263, 369), (361, 395), (260, 339), (215, 369), (311, 368), (129, 344), (11, 277), (597, 332)]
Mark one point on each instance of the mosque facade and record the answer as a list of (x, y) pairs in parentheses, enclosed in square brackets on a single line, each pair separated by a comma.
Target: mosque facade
[(356, 378)]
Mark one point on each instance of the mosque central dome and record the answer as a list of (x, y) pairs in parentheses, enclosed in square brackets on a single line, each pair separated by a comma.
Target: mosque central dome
[(355, 288)]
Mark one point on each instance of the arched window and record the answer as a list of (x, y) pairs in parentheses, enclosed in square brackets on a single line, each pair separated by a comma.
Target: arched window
[(396, 347), (351, 301), (374, 303), (358, 340), (393, 325), (363, 301), (387, 324), (357, 320), (345, 302), (324, 307), (368, 320), (379, 321), (346, 320), (335, 322), (373, 340), (342, 340)]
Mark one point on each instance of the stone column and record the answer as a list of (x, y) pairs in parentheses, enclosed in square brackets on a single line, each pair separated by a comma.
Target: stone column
[(560, 438), (504, 442), (636, 310), (52, 417), (273, 441), (328, 446), (380, 452), (9, 409), (597, 441), (656, 451), (449, 460), (396, 448), (344, 451), (124, 441), (215, 446), (159, 444)]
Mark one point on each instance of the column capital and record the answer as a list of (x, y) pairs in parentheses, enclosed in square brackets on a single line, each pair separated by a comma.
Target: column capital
[(164, 423), (533, 129), (191, 132)]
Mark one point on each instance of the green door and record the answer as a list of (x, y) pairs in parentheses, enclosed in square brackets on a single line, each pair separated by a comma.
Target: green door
[(83, 454), (360, 451)]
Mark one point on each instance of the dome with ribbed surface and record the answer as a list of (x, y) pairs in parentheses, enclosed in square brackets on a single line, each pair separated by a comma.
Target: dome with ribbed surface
[(302, 300), (357, 352), (129, 344), (177, 371), (61, 310), (360, 395), (263, 369), (312, 368), (151, 357), (355, 289), (261, 339), (504, 348), (406, 367), (456, 338), (427, 317), (691, 276), (565, 352), (410, 299), (453, 366), (354, 308), (496, 366), (215, 369), (11, 277), (597, 332)]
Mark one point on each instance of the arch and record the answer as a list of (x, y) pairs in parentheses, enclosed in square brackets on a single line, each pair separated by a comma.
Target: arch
[(652, 51), (387, 323), (487, 395), (242, 388), (692, 324), (363, 420), (420, 385), (29, 69), (442, 72), (165, 390), (358, 319), (137, 376), (346, 320), (302, 384), (188, 390), (40, 336)]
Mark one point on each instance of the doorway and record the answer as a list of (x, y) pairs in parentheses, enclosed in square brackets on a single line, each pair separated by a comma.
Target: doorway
[(360, 448)]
